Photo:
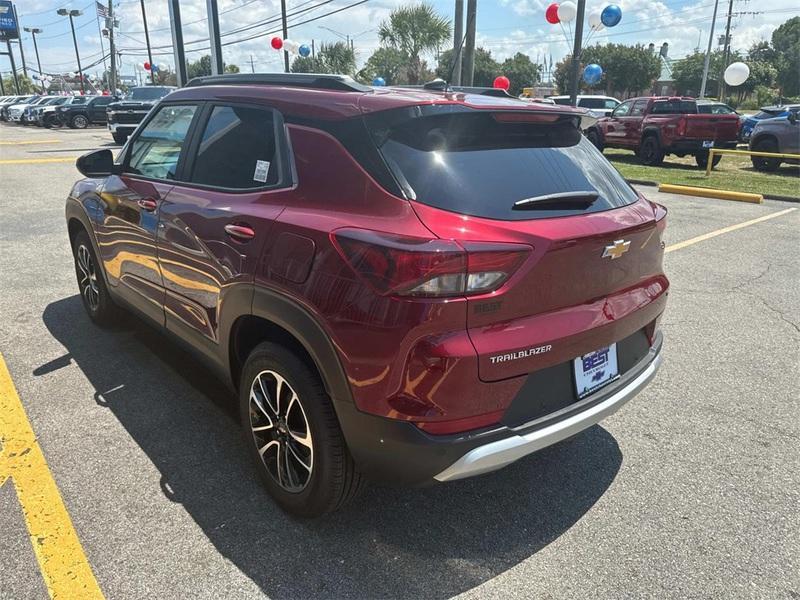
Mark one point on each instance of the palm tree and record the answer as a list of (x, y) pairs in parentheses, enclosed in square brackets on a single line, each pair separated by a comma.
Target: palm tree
[(414, 30)]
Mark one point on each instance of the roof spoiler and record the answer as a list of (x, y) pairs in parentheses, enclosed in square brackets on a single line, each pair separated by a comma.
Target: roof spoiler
[(319, 81)]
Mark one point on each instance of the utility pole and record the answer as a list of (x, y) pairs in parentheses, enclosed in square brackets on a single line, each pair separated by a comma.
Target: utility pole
[(21, 49), (33, 31), (726, 53), (708, 51), (217, 66), (313, 50), (112, 75), (458, 37), (72, 14), (13, 65), (179, 53), (469, 50), (576, 54), (147, 41), (252, 66), (285, 35)]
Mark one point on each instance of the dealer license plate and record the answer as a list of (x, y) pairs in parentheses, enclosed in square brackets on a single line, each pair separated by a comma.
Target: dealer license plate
[(596, 369)]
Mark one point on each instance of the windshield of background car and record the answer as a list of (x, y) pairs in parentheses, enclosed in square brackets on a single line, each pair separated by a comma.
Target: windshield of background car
[(482, 163), (674, 107), (145, 93), (715, 109)]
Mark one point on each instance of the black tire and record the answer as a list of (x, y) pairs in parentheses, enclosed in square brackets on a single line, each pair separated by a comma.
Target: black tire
[(765, 163), (120, 138), (332, 480), (94, 293), (650, 152), (702, 160), (593, 136), (79, 122)]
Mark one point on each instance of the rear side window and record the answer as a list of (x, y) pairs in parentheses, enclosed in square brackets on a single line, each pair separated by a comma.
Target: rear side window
[(156, 150), (561, 101), (474, 164), (638, 108), (237, 150), (596, 103), (674, 107)]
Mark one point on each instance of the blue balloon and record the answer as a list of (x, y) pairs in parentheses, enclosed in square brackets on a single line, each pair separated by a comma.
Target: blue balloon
[(611, 15), (304, 50), (592, 73), (379, 81)]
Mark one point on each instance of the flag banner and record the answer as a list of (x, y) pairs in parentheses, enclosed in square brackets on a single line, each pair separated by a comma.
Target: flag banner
[(102, 11)]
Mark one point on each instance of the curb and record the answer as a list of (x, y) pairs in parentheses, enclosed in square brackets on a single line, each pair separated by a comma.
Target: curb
[(766, 196), (711, 193)]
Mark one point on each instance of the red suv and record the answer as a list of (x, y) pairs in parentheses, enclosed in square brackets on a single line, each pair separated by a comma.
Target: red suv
[(407, 285)]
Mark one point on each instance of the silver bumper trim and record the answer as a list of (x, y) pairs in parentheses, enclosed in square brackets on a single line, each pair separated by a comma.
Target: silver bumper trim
[(501, 453)]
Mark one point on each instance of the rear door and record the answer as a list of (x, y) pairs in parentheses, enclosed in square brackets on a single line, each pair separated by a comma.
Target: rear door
[(214, 223), (614, 126), (594, 274), (633, 123), (126, 225), (97, 109)]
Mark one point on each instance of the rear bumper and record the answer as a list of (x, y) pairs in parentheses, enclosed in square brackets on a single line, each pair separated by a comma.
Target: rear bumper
[(399, 452), (692, 146), (122, 128)]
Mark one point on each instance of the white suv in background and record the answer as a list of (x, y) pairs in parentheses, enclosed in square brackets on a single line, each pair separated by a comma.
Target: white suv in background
[(602, 106)]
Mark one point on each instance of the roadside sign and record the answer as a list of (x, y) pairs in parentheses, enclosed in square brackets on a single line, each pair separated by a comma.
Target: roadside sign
[(9, 29)]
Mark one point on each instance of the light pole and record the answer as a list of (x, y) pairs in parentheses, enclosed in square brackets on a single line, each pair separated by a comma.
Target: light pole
[(33, 31), (72, 14)]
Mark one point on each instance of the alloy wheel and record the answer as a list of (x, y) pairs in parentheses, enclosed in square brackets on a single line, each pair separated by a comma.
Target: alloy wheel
[(281, 431), (87, 277), (80, 122)]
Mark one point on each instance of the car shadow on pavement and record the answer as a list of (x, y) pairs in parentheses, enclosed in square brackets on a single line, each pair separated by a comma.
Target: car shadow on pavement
[(403, 543)]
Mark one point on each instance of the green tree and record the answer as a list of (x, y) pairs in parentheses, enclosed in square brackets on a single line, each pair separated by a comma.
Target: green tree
[(626, 69), (26, 86), (202, 67), (786, 43), (521, 71), (688, 73), (414, 30), (486, 67), (336, 58), (388, 63)]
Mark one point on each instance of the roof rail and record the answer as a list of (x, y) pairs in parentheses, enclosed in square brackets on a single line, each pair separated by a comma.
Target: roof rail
[(321, 81)]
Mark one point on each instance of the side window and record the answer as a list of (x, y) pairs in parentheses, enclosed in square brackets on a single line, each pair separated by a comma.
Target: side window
[(157, 148), (623, 109), (610, 103), (237, 150), (638, 108), (102, 101)]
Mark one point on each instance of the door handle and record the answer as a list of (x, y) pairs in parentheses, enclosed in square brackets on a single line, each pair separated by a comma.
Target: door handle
[(147, 204), (241, 233)]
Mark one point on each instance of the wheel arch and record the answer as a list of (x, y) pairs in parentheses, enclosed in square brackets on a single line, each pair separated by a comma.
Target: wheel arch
[(278, 319), (764, 137), (651, 132)]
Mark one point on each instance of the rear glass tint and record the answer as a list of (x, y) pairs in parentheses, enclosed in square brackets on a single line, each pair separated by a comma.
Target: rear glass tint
[(469, 163), (674, 107)]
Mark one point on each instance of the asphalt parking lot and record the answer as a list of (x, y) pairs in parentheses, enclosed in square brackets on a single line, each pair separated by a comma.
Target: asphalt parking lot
[(691, 490)]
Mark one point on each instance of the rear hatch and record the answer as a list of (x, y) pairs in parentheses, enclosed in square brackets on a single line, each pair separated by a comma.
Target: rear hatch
[(532, 180)]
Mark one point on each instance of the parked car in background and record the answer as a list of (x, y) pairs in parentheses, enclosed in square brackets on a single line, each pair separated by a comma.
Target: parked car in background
[(780, 135), (601, 106), (339, 256), (48, 117), (11, 101), (766, 112), (657, 126), (126, 114), (14, 111), (29, 115), (80, 116)]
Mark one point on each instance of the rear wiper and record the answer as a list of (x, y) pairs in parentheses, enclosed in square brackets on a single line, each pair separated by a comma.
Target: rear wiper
[(564, 198)]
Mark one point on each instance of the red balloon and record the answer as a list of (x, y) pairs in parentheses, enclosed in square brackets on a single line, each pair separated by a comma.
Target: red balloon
[(277, 43), (551, 14), (502, 82), (146, 66)]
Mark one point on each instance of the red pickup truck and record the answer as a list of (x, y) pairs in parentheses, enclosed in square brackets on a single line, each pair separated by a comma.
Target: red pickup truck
[(659, 125)]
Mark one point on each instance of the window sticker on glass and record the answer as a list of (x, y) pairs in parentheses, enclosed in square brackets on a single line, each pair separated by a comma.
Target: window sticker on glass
[(262, 169)]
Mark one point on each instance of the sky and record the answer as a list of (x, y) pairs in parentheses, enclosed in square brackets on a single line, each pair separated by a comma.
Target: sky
[(503, 26)]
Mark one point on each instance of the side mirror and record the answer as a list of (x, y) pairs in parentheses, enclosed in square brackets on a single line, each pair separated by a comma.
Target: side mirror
[(99, 163), (792, 117)]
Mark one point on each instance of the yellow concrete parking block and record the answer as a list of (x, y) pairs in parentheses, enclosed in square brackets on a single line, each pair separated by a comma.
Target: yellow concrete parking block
[(711, 193), (28, 142), (65, 569), (34, 161)]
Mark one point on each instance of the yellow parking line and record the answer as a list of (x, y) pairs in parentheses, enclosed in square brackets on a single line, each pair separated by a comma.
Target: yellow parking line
[(64, 566), (715, 233), (27, 142), (25, 161)]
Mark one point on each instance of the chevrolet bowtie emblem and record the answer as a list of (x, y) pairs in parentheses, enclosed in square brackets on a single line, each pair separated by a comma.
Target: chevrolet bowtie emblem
[(617, 249)]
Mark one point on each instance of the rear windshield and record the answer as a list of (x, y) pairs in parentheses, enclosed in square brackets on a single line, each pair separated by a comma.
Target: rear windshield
[(469, 163), (597, 103), (674, 107)]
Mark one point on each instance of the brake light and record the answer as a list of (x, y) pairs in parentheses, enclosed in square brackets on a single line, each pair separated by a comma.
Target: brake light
[(682, 126), (424, 267)]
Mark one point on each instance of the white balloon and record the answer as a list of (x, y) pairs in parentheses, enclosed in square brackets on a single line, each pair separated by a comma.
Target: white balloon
[(736, 74), (291, 46), (71, 75), (163, 66), (595, 22), (567, 11)]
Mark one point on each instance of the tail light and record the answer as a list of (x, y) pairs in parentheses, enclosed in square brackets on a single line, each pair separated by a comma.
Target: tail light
[(423, 267), (682, 126)]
